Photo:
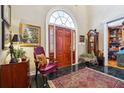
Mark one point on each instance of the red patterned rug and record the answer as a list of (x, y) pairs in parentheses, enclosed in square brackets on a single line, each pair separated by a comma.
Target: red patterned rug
[(86, 78)]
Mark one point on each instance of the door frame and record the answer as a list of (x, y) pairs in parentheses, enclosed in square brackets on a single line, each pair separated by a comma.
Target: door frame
[(47, 32), (72, 41), (106, 24)]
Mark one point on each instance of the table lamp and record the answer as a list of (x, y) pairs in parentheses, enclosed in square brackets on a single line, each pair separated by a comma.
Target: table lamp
[(16, 38)]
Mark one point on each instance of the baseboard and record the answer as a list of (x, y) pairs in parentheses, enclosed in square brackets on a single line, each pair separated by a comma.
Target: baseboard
[(33, 73), (75, 64)]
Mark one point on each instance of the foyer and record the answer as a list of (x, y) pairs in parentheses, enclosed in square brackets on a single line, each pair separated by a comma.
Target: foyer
[(67, 46)]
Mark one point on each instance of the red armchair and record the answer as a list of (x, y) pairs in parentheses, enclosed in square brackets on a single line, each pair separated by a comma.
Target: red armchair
[(46, 68)]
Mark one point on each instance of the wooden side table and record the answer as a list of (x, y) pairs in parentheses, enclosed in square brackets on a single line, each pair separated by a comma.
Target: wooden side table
[(15, 75)]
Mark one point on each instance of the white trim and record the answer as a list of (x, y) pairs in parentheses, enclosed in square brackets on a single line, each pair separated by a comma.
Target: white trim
[(116, 23), (62, 26), (54, 42), (60, 17), (75, 23), (0, 39), (116, 17), (106, 44)]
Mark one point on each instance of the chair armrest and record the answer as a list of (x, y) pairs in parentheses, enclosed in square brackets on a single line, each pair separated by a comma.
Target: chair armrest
[(47, 58), (55, 60), (36, 61), (51, 58)]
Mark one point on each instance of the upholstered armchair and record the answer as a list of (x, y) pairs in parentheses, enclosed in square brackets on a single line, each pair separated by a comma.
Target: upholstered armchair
[(42, 65)]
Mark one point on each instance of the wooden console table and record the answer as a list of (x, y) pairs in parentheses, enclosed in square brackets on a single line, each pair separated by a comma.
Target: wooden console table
[(14, 75)]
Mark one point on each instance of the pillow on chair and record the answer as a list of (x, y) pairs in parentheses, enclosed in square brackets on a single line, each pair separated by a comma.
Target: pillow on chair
[(42, 59)]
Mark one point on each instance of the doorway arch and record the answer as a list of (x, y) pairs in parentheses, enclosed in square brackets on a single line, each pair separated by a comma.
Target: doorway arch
[(53, 10)]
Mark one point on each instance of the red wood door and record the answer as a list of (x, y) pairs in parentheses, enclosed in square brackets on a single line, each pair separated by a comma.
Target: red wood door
[(63, 46), (67, 46)]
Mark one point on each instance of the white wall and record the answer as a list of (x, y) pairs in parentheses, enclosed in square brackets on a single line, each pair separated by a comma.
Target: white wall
[(36, 15), (99, 14), (82, 22)]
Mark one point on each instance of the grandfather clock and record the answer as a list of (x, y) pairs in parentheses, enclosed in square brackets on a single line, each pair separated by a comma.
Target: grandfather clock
[(93, 41)]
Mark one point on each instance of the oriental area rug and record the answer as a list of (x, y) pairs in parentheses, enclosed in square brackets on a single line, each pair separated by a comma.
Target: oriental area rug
[(86, 78)]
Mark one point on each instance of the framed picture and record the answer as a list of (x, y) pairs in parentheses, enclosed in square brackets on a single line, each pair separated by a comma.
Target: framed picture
[(31, 35), (6, 13), (0, 32), (5, 35), (82, 38)]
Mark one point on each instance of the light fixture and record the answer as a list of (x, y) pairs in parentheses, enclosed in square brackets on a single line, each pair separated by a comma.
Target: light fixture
[(16, 38)]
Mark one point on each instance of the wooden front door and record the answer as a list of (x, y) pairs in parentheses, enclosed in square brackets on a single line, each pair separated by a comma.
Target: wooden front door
[(63, 46)]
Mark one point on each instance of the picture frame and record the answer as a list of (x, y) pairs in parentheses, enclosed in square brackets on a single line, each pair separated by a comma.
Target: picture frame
[(31, 35), (0, 30), (6, 13), (6, 36)]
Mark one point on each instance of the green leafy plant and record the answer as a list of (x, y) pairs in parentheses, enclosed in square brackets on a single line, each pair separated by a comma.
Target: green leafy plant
[(19, 53)]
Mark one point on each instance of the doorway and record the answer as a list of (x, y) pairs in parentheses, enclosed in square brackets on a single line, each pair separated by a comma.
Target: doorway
[(62, 46), (60, 19), (115, 44), (114, 36)]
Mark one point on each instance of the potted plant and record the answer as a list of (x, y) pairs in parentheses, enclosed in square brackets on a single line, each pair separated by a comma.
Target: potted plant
[(19, 54)]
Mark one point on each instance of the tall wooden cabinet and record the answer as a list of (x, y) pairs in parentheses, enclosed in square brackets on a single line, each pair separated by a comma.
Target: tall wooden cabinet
[(93, 41), (15, 75)]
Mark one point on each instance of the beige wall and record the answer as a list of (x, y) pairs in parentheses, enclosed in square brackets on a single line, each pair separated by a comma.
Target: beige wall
[(99, 14), (36, 15)]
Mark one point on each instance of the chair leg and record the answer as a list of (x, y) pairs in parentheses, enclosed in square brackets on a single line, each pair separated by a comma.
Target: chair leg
[(36, 73), (36, 81), (44, 81), (56, 72)]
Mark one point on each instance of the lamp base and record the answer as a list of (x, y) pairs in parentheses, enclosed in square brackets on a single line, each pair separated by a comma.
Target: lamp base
[(13, 60)]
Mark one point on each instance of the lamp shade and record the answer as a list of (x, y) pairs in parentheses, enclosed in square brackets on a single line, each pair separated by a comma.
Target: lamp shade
[(17, 38)]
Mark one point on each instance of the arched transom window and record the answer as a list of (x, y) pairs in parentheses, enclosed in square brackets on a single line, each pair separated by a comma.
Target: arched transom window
[(61, 18)]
